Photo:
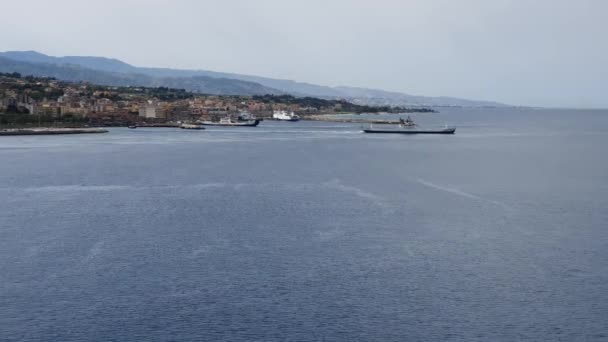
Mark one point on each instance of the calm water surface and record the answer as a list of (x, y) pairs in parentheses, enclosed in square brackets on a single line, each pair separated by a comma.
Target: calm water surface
[(310, 231)]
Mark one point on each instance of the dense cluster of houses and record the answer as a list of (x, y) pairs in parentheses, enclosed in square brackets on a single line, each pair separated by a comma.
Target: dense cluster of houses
[(58, 100)]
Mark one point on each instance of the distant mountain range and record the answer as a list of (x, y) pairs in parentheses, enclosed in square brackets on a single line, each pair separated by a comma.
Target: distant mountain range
[(113, 72), (80, 72)]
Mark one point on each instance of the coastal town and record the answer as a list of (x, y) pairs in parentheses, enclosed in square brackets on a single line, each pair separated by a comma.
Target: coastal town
[(28, 100)]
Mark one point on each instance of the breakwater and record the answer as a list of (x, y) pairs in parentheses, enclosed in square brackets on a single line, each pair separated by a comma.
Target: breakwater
[(50, 131), (327, 118), (157, 125)]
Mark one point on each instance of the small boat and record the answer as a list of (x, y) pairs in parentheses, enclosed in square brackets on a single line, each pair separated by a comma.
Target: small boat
[(227, 121), (132, 126), (409, 127), (191, 126), (284, 116)]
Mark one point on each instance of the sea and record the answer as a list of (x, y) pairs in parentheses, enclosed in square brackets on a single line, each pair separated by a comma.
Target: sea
[(310, 231)]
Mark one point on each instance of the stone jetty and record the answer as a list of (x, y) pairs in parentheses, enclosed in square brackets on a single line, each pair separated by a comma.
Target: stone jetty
[(332, 118), (49, 131)]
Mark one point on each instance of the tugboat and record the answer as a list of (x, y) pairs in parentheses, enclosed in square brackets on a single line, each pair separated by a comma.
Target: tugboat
[(191, 126), (409, 127), (284, 116)]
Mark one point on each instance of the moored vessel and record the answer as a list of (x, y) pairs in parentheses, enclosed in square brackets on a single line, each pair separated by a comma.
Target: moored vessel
[(191, 126), (228, 121), (285, 116)]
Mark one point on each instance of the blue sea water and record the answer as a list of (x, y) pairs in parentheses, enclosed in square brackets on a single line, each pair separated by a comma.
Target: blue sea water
[(310, 231)]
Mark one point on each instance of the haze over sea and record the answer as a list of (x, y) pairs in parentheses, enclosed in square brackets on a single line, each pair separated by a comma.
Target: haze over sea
[(310, 231)]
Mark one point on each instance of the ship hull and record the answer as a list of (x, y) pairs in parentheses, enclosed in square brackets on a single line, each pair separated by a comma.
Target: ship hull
[(290, 120), (193, 127), (410, 131)]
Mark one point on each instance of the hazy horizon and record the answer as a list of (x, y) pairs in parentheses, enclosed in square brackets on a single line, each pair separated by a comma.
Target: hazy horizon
[(545, 54)]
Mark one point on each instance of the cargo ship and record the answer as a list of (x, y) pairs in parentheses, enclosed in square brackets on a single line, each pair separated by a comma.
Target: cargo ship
[(409, 127)]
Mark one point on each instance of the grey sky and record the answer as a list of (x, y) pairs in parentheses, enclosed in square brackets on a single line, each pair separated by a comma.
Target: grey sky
[(527, 52)]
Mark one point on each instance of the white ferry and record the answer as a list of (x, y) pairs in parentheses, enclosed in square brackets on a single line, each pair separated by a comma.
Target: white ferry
[(284, 116)]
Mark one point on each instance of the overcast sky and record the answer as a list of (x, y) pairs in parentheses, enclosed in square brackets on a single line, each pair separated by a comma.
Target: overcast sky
[(524, 52)]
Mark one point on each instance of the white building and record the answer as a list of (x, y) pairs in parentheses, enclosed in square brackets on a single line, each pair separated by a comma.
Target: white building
[(149, 110)]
